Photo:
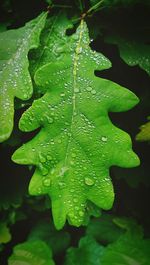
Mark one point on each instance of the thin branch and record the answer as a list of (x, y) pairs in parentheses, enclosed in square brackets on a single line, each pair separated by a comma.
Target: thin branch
[(95, 7)]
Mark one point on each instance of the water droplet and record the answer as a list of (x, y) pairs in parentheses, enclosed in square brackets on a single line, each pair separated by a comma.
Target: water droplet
[(89, 89), (81, 213), (79, 50), (49, 157), (44, 171), (89, 181), (75, 200), (39, 191), (50, 120), (93, 92), (59, 141), (104, 138), (46, 182), (25, 96), (42, 158), (76, 90), (61, 184)]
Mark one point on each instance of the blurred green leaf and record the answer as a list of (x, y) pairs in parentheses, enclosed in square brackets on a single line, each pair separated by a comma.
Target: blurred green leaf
[(58, 241), (89, 252), (5, 235), (127, 250), (133, 49), (144, 134), (31, 253), (103, 229)]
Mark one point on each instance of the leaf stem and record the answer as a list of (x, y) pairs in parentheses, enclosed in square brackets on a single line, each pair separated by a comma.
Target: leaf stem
[(95, 7)]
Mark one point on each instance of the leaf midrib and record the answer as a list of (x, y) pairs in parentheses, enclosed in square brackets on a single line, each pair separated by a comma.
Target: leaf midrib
[(75, 65)]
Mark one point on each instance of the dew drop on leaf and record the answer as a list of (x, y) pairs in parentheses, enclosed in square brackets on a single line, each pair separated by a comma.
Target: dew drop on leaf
[(93, 92), (89, 181), (81, 213), (104, 138), (89, 89), (46, 182), (75, 200), (76, 90), (50, 120), (49, 157)]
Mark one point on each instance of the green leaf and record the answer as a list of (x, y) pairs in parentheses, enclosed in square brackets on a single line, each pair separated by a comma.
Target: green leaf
[(103, 229), (31, 253), (5, 235), (130, 225), (144, 134), (77, 142), (89, 252), (3, 27), (132, 50), (130, 247), (127, 250), (48, 1), (15, 80), (134, 178), (57, 241), (53, 39), (91, 210)]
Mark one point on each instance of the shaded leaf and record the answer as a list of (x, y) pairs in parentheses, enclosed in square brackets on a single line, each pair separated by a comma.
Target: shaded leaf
[(53, 40), (5, 235), (57, 241), (89, 252), (144, 134), (134, 178), (15, 80), (127, 250), (133, 50), (103, 229), (31, 253)]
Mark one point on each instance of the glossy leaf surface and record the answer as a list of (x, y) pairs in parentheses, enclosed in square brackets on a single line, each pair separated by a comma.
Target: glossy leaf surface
[(15, 80), (77, 143)]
